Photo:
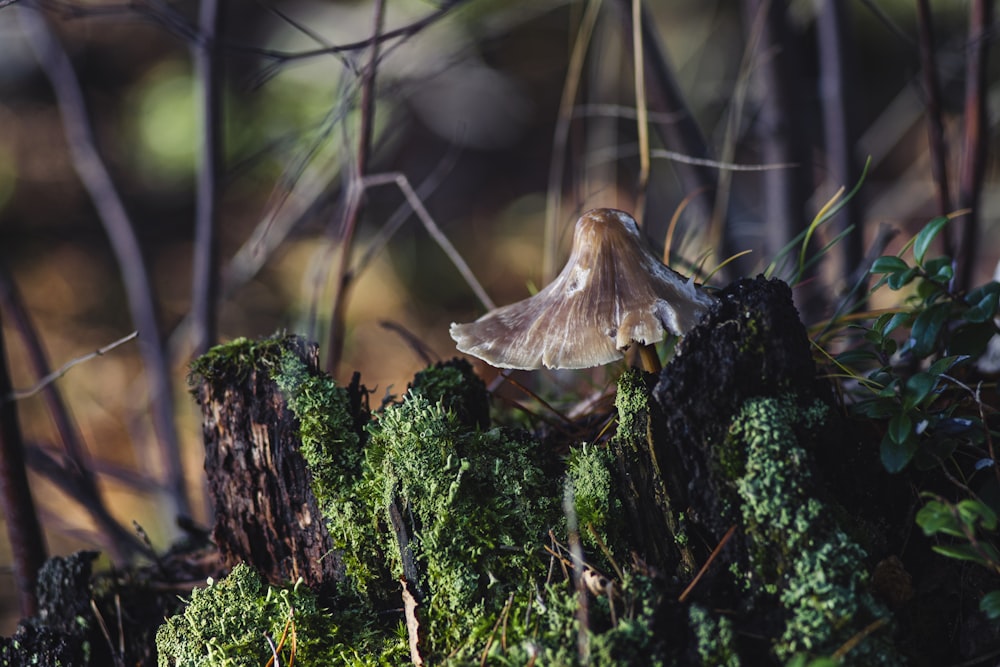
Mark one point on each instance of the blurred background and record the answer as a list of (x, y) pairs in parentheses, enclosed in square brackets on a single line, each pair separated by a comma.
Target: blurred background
[(505, 119)]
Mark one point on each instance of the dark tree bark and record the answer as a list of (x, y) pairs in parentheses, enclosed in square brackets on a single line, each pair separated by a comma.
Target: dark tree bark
[(751, 344), (266, 513)]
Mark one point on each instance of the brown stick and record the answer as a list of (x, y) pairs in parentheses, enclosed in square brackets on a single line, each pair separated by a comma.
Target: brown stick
[(205, 283), (96, 179), (935, 128), (354, 198), (975, 139), (23, 529)]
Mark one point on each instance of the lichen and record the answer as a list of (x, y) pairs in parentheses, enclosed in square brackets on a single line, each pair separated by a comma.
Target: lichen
[(595, 495), (241, 621), (457, 388), (633, 404), (797, 550), (477, 506), (715, 637)]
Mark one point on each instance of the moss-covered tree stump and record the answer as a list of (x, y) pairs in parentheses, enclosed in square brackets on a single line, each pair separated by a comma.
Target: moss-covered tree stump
[(266, 514)]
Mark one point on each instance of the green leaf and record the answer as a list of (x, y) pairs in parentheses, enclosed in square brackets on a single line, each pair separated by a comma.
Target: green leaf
[(926, 328), (974, 513), (900, 427), (983, 301), (922, 241), (889, 264), (945, 364), (896, 320), (939, 270), (937, 517), (901, 279), (971, 339), (876, 408), (990, 605), (918, 386), (895, 455), (960, 552)]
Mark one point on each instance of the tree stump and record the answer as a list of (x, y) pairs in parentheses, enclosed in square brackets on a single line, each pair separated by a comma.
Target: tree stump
[(266, 514)]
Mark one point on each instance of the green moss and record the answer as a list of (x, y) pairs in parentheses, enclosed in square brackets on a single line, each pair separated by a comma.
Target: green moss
[(330, 446), (431, 493), (632, 402), (797, 550), (233, 362), (240, 620), (595, 495), (457, 388), (716, 640), (542, 628), (478, 505)]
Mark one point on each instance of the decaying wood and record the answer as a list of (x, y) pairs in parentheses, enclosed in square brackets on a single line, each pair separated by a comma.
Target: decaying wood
[(265, 513), (751, 344)]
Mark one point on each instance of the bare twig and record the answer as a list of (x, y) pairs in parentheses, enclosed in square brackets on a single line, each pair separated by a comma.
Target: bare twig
[(80, 473), (354, 196), (716, 164), (19, 394), (970, 180), (836, 46), (642, 117), (205, 282), (24, 531), (432, 228), (94, 175), (419, 347), (935, 126), (663, 96), (560, 138)]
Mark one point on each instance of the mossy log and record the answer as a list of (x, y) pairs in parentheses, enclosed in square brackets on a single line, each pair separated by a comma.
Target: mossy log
[(722, 448), (266, 514)]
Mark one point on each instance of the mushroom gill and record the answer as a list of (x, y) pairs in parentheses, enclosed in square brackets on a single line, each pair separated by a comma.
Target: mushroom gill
[(613, 291)]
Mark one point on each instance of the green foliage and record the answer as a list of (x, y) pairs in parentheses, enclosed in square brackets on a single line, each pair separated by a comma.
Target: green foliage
[(966, 520), (240, 620), (797, 550), (715, 636), (478, 505), (803, 239), (457, 388), (228, 623), (330, 446), (233, 362), (939, 334), (595, 496), (542, 627)]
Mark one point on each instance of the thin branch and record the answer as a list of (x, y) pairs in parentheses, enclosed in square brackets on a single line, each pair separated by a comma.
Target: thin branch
[(20, 394), (835, 46), (642, 118), (209, 79), (935, 125), (975, 139), (716, 164), (355, 194), (24, 531), (403, 183), (121, 544), (571, 85), (96, 178)]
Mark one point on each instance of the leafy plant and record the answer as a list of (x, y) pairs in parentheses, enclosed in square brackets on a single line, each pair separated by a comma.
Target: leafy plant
[(917, 348), (966, 520)]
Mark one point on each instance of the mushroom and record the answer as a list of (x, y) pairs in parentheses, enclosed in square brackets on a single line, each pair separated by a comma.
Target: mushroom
[(612, 292)]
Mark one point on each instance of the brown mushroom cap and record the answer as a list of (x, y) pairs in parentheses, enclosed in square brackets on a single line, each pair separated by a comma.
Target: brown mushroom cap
[(613, 291)]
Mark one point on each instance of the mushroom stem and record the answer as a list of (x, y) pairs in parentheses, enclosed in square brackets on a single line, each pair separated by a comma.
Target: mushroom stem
[(650, 358)]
